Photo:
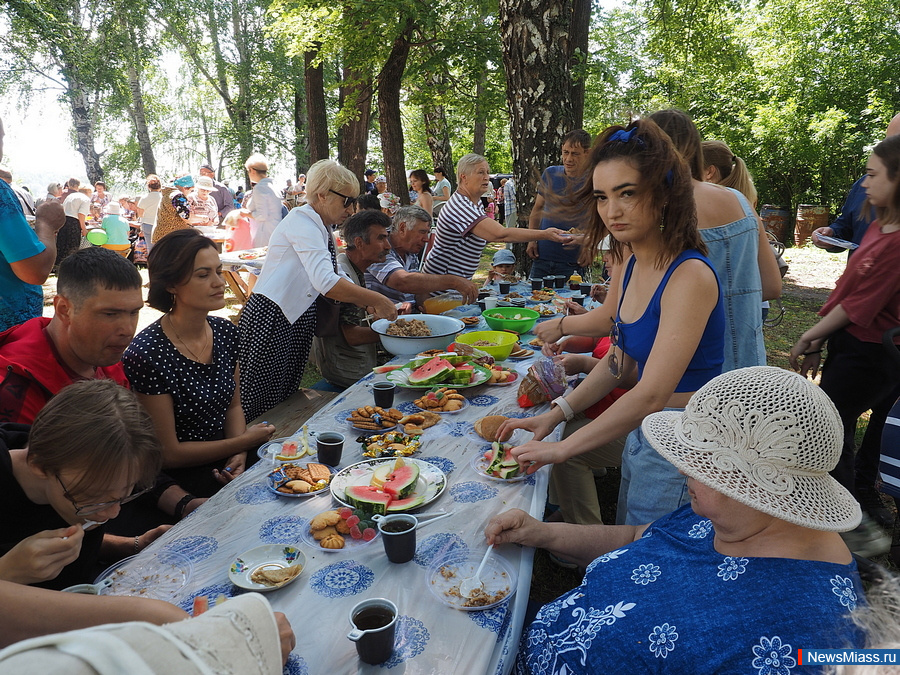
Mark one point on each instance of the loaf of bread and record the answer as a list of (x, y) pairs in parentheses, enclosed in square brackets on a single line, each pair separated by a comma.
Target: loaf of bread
[(487, 427)]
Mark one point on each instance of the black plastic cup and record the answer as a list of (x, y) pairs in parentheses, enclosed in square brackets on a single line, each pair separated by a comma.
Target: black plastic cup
[(384, 394), (585, 289), (537, 284), (374, 627), (330, 446), (561, 280), (504, 287), (398, 534), (549, 281), (482, 305), (483, 294), (579, 299)]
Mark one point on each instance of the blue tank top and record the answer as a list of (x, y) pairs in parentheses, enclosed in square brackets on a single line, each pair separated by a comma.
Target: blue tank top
[(636, 338)]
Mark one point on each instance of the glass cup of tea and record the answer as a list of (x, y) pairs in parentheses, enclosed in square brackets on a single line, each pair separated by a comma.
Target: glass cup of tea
[(374, 624)]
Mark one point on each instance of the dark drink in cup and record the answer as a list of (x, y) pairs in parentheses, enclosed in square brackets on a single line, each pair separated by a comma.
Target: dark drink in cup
[(384, 394)]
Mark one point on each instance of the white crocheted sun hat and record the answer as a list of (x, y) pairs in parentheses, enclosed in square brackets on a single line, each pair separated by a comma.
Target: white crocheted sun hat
[(765, 437)]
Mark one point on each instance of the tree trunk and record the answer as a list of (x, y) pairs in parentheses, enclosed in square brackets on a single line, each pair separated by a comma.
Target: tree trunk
[(389, 80), (478, 137), (83, 122), (579, 29), (536, 57), (356, 93), (315, 109), (139, 117), (301, 152), (437, 133)]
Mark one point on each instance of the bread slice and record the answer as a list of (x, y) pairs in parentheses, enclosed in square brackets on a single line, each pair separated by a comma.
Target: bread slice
[(487, 427), (275, 577)]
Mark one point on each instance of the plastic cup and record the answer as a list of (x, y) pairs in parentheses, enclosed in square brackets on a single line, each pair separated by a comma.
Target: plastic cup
[(398, 534), (560, 280), (537, 284), (585, 289), (504, 287), (374, 624), (579, 299), (384, 393), (329, 447), (490, 302), (549, 281), (482, 305)]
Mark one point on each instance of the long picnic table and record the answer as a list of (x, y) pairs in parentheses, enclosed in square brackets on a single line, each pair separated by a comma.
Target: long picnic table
[(431, 636)]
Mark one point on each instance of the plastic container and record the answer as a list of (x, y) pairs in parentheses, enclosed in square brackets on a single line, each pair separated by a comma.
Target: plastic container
[(439, 304), (504, 342), (501, 318)]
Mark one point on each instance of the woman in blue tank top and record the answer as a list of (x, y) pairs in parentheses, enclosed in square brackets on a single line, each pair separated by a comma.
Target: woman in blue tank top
[(666, 314)]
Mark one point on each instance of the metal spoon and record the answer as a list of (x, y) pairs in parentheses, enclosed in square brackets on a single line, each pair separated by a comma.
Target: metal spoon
[(468, 585)]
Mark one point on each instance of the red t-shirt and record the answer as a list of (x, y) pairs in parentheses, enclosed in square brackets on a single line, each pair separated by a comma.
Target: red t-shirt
[(869, 289), (593, 412)]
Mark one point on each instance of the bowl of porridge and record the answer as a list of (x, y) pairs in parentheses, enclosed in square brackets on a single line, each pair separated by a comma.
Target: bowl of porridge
[(414, 333)]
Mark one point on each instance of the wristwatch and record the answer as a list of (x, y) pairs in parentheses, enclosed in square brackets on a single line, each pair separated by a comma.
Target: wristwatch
[(561, 403)]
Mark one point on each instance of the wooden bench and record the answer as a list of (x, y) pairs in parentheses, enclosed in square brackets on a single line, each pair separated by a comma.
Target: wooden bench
[(290, 414)]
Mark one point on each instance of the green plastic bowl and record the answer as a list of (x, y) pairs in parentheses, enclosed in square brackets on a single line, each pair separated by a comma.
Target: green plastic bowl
[(504, 342), (502, 318)]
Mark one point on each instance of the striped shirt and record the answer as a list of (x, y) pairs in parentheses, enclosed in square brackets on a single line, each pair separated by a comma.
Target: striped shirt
[(456, 249), (377, 275)]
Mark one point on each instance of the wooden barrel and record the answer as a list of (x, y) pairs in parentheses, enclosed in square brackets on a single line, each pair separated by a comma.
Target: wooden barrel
[(776, 219), (809, 218)]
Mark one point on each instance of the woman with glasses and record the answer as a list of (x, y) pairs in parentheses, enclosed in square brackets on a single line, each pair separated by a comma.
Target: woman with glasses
[(183, 368), (91, 449), (665, 313), (279, 320)]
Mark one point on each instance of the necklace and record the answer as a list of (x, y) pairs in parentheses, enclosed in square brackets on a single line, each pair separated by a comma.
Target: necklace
[(184, 344)]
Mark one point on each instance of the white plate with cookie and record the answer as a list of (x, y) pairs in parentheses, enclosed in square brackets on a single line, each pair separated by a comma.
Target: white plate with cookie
[(326, 536), (300, 480), (267, 568)]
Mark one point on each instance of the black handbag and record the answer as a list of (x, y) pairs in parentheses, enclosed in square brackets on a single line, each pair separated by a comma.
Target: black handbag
[(328, 317)]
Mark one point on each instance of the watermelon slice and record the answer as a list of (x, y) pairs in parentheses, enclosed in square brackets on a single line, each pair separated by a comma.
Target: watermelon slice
[(367, 498), (431, 372), (380, 370), (503, 464), (405, 504), (402, 481)]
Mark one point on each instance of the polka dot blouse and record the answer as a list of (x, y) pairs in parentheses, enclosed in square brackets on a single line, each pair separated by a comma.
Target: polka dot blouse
[(201, 392)]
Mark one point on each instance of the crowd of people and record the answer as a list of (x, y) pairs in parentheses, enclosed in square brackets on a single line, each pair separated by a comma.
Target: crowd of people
[(727, 465)]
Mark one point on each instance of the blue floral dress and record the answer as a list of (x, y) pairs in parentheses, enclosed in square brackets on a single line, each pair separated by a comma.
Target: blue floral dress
[(669, 603)]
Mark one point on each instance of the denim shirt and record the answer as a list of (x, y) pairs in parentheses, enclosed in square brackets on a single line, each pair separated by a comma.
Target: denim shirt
[(733, 250)]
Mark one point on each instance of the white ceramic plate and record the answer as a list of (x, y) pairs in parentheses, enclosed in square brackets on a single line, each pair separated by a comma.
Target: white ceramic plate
[(269, 556), (400, 377), (480, 464), (276, 477), (350, 544), (432, 481), (154, 578), (444, 576)]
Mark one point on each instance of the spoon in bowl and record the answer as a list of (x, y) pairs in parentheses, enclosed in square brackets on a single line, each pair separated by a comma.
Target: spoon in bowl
[(470, 584)]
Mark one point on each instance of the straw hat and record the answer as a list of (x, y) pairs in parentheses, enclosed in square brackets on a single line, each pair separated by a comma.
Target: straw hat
[(765, 437), (205, 183)]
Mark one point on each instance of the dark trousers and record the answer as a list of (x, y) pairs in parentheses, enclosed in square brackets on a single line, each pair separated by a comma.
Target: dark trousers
[(858, 376)]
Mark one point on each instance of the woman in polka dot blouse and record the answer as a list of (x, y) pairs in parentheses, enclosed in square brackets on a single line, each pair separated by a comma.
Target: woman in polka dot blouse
[(184, 368)]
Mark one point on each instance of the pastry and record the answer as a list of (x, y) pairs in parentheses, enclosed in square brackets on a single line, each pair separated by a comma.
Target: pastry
[(487, 427), (323, 520), (298, 486), (333, 541), (319, 535), (275, 577)]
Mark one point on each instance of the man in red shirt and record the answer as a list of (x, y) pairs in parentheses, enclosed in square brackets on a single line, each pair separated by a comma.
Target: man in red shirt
[(96, 312)]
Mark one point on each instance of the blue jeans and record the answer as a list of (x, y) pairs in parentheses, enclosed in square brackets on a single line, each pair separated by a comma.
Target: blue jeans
[(544, 268), (651, 486)]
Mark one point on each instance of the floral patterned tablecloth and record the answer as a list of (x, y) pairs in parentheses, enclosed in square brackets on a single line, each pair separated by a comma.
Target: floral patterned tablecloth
[(431, 637)]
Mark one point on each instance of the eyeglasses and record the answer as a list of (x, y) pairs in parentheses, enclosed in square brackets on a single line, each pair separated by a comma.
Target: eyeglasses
[(89, 509), (615, 364), (347, 200)]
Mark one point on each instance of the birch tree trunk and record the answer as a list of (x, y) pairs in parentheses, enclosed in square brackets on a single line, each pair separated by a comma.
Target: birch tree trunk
[(478, 137), (84, 123), (389, 80)]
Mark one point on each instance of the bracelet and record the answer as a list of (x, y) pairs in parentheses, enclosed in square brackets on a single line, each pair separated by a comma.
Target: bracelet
[(137, 545), (179, 507), (563, 405), (561, 331), (815, 351)]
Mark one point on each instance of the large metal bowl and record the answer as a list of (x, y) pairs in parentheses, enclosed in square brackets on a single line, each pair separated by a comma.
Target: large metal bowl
[(444, 330)]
